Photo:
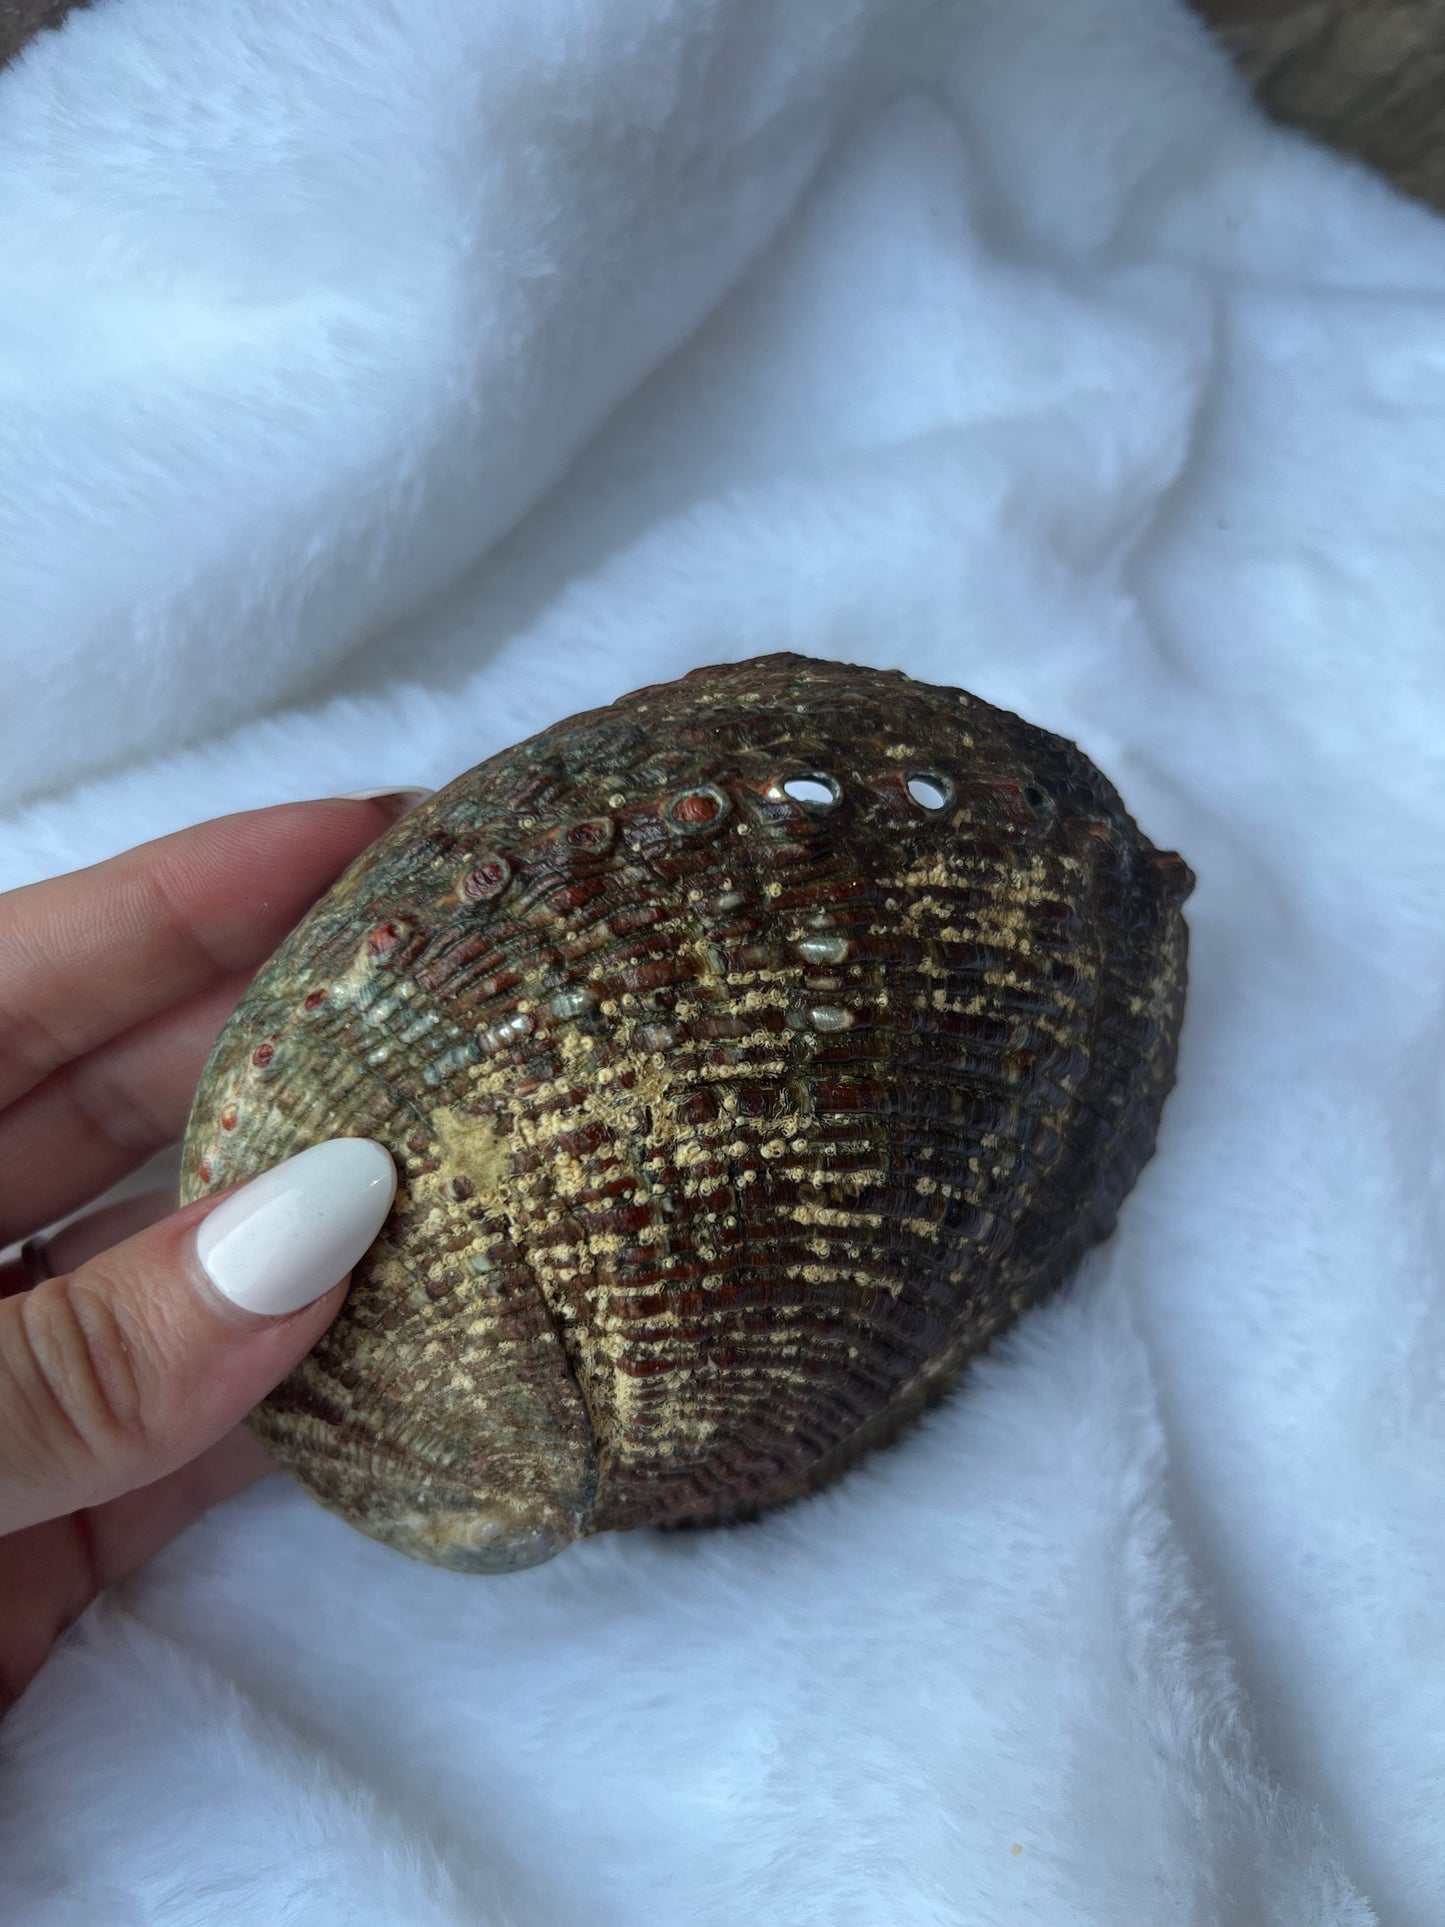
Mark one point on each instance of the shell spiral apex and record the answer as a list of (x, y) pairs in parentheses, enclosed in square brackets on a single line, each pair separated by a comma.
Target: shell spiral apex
[(751, 1051)]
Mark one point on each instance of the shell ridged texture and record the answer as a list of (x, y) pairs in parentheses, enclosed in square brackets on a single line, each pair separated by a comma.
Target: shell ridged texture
[(750, 1052)]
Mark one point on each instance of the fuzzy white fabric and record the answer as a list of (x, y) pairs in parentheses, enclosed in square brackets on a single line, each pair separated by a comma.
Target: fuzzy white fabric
[(383, 382)]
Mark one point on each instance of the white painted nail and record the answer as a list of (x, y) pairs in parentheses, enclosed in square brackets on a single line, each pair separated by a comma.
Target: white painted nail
[(399, 801), (294, 1232)]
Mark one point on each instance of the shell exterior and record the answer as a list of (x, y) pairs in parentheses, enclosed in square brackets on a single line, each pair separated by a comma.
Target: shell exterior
[(751, 1051)]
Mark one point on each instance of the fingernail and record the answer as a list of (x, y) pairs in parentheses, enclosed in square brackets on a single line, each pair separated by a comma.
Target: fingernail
[(294, 1232), (399, 802)]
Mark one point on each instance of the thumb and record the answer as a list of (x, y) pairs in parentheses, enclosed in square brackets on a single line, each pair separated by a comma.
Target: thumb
[(133, 1364)]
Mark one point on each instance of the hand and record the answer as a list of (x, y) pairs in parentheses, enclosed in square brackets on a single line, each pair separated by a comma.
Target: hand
[(123, 1378)]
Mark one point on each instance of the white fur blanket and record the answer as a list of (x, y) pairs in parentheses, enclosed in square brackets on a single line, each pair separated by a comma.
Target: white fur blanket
[(379, 383)]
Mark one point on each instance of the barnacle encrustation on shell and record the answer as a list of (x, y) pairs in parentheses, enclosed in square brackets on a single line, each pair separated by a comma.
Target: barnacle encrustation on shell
[(750, 1051)]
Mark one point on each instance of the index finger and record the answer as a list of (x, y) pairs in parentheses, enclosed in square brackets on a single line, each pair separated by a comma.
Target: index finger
[(86, 956)]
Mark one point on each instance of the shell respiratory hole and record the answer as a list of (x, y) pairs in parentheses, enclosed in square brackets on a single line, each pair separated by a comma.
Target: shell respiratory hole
[(751, 1051)]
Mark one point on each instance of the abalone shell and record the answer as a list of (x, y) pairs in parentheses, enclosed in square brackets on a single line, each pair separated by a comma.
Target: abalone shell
[(751, 1051)]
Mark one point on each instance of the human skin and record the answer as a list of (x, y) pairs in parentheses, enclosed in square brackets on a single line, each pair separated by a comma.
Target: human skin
[(124, 1376)]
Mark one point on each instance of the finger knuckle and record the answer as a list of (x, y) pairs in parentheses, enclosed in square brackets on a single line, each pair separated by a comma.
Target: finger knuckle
[(83, 1373)]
